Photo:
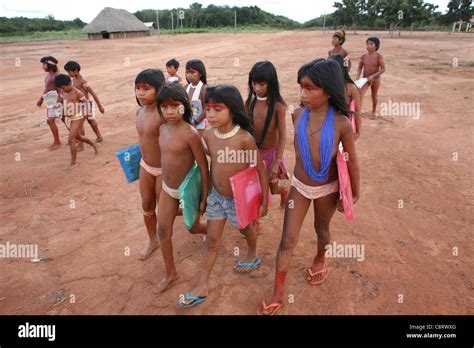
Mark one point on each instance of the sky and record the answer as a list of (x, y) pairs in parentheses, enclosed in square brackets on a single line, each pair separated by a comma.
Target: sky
[(298, 10)]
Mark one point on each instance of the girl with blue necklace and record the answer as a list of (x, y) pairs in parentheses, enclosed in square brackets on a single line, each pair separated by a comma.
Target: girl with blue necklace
[(320, 125)]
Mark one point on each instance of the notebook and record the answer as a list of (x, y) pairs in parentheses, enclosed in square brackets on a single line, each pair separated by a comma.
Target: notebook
[(190, 196)]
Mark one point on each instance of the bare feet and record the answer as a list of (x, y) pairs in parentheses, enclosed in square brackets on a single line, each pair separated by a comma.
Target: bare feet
[(55, 146), (283, 197), (72, 166), (99, 140), (165, 283), (96, 149), (150, 248)]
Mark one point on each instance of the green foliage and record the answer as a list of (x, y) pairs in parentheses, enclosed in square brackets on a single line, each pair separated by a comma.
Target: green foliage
[(26, 26)]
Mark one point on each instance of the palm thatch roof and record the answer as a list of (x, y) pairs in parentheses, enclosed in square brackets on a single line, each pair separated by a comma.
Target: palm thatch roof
[(114, 20)]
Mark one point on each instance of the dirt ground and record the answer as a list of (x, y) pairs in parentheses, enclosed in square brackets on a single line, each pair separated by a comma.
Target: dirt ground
[(418, 258)]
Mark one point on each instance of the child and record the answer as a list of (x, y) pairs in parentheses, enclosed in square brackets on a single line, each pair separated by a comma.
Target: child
[(267, 110), (352, 95), (172, 67), (73, 70), (319, 128), (374, 66), (196, 89), (50, 66), (338, 40), (178, 140), (73, 106), (231, 131), (147, 86)]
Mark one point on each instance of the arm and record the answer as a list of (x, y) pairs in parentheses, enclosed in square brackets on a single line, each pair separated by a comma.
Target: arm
[(355, 95), (202, 95), (96, 98), (249, 144), (281, 124), (359, 69), (352, 165), (197, 148)]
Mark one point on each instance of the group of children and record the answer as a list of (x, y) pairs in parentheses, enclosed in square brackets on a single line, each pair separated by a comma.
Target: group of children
[(68, 98)]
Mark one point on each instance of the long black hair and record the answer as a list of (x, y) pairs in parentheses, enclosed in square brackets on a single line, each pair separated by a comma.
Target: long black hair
[(152, 77), (175, 93), (340, 60), (326, 74), (230, 96), (264, 71), (51, 62), (198, 65)]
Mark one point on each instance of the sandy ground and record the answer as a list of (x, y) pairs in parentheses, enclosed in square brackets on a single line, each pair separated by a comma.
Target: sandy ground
[(408, 251)]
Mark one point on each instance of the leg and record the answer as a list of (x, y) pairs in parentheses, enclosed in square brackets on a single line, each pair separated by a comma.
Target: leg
[(73, 134), (295, 213), (149, 198), (80, 145), (84, 139), (55, 131), (375, 89), (215, 228), (95, 128), (168, 207), (363, 90), (198, 227), (324, 209), (251, 238)]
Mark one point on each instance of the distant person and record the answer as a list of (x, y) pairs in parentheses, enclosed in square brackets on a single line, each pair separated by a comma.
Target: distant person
[(196, 89), (374, 66), (172, 67), (50, 66), (338, 40)]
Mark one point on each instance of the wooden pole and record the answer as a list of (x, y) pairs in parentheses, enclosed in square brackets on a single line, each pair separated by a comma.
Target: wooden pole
[(235, 21), (172, 23), (158, 22)]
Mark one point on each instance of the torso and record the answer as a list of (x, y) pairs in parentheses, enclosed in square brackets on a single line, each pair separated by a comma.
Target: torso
[(49, 82), (80, 83), (259, 116), (148, 128), (371, 63)]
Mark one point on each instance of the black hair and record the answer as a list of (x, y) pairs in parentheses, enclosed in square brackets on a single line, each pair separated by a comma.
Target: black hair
[(173, 62), (326, 74), (340, 60), (264, 71), (48, 60), (375, 40), (198, 65), (231, 97), (152, 77), (72, 66), (62, 80), (175, 92)]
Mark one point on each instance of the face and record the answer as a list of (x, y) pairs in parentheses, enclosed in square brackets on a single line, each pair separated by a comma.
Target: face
[(65, 89), (371, 46), (193, 76), (73, 74), (335, 41), (172, 111), (312, 96), (45, 67), (171, 70), (260, 88), (145, 93), (218, 114)]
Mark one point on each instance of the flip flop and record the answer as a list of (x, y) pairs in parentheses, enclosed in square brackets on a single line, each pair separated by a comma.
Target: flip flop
[(189, 297), (274, 307), (252, 265), (311, 276)]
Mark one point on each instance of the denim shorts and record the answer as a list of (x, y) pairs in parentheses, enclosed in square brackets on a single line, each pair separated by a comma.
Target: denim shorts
[(220, 207)]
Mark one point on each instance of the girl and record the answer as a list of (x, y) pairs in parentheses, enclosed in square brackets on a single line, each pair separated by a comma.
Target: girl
[(352, 96), (147, 86), (196, 89), (319, 128), (338, 40), (267, 111), (178, 140), (231, 131)]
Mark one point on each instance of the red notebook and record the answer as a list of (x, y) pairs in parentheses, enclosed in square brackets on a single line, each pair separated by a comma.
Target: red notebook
[(247, 195), (345, 189)]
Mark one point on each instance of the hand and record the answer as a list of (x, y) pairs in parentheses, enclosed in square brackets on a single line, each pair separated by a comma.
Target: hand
[(370, 78), (262, 211), (340, 207), (101, 109), (202, 206), (355, 198), (40, 102), (356, 136), (274, 173)]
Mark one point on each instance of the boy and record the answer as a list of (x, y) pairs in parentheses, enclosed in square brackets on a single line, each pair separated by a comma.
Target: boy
[(374, 66), (73, 70), (172, 67), (50, 66), (338, 40), (73, 105)]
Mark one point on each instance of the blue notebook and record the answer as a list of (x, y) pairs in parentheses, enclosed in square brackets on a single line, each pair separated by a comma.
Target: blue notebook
[(129, 158), (190, 196)]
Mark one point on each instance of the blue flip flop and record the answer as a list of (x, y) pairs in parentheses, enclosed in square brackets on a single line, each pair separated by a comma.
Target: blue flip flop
[(194, 300), (252, 265)]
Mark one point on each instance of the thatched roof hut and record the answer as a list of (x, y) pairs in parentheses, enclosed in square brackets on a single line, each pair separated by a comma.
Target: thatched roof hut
[(113, 23)]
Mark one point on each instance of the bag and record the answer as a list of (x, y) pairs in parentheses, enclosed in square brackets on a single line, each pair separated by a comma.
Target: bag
[(190, 192), (129, 159)]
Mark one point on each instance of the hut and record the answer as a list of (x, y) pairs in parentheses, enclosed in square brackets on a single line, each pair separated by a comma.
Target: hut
[(113, 23)]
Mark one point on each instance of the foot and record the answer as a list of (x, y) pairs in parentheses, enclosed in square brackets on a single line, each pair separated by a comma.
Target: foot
[(318, 273), (247, 264), (72, 166), (196, 295), (55, 146), (99, 140), (283, 197), (270, 307), (96, 149), (165, 283), (149, 249)]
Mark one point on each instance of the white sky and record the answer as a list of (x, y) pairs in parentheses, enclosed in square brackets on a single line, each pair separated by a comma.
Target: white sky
[(299, 10)]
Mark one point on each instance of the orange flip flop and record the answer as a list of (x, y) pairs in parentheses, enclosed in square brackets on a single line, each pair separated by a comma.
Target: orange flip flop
[(274, 307), (311, 276)]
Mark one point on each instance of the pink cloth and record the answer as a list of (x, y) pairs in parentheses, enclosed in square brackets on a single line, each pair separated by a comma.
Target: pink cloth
[(268, 156)]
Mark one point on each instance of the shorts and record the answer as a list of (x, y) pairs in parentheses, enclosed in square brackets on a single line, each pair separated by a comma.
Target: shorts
[(220, 207)]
